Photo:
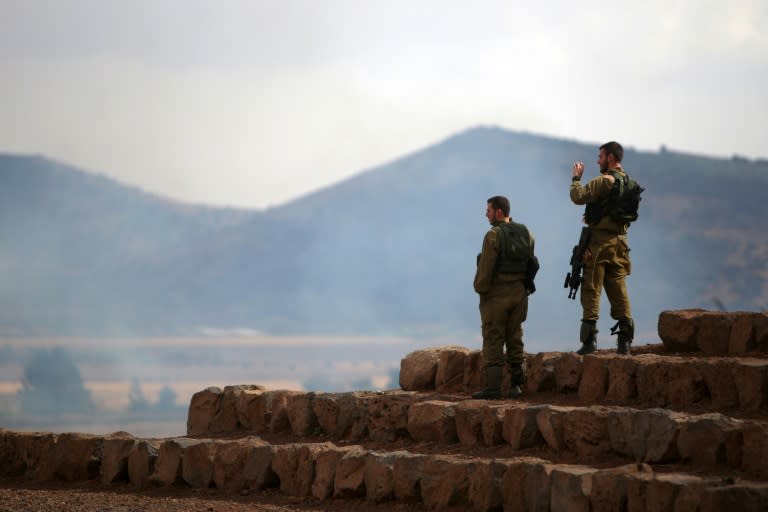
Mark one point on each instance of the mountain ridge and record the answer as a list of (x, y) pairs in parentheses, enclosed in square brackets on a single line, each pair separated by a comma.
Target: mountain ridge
[(389, 250)]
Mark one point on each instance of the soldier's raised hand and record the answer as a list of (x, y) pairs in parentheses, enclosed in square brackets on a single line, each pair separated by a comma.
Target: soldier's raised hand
[(578, 169)]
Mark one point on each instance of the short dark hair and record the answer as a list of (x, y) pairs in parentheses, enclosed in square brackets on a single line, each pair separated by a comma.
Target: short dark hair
[(500, 203), (615, 149)]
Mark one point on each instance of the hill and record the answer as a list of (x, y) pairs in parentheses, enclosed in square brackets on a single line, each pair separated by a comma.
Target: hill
[(388, 251)]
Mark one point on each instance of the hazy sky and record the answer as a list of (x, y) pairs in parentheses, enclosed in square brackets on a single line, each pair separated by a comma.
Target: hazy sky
[(252, 103)]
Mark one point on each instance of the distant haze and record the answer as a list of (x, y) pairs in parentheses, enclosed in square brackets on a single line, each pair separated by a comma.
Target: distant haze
[(253, 103), (390, 251)]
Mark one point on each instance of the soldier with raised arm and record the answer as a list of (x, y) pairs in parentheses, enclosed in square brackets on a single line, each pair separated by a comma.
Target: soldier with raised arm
[(606, 259)]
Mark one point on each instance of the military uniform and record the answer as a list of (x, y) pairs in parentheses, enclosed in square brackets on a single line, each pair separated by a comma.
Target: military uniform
[(606, 264), (503, 308)]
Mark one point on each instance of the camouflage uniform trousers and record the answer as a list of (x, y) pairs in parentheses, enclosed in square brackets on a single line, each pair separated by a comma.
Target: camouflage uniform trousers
[(607, 268), (502, 312)]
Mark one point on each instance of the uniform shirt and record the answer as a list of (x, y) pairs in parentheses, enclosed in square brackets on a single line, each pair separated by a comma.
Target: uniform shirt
[(484, 276), (594, 191)]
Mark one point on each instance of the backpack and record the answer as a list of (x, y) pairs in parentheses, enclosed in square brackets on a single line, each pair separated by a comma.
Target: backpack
[(621, 205), (515, 248)]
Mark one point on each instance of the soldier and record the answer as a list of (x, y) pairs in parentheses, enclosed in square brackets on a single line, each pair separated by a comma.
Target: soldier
[(606, 259), (504, 278)]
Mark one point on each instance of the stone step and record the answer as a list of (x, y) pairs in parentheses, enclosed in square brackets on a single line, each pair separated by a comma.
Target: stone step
[(713, 332), (711, 383), (324, 471), (645, 435)]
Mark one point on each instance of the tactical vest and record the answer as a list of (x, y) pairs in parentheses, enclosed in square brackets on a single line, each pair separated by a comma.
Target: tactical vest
[(620, 206), (515, 248)]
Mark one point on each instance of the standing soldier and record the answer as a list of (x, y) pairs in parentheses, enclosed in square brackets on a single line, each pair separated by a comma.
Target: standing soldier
[(609, 199), (504, 279)]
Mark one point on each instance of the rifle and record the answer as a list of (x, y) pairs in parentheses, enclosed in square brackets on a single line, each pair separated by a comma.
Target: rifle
[(573, 278)]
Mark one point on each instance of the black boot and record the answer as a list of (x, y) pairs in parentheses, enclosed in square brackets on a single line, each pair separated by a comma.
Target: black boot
[(588, 337), (492, 390), (625, 331), (517, 381)]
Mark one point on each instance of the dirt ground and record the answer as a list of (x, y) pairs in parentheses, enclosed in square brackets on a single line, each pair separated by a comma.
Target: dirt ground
[(23, 496)]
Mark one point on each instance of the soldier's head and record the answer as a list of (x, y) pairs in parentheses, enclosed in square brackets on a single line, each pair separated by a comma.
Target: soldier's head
[(610, 156), (497, 209)]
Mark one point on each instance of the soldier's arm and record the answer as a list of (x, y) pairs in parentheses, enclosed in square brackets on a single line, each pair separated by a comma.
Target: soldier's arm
[(486, 263), (594, 190)]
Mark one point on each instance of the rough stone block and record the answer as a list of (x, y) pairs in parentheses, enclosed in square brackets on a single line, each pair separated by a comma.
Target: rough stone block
[(226, 418), (751, 379), (742, 339), (761, 331), (350, 474), (197, 463), (568, 369), (279, 421), (711, 440), (541, 372), (551, 420), (636, 485), (379, 477), (678, 329), (141, 462), (419, 369), (520, 428), (229, 462), (253, 410), (673, 492), (719, 381), (594, 379), (491, 423), (407, 475), (610, 487), (325, 471), (203, 407), (114, 457), (257, 471), (669, 381), (294, 465), (433, 420), (168, 464), (622, 379), (450, 369), (485, 482), (473, 371), (73, 457), (469, 425), (526, 485), (445, 483), (585, 431), (571, 487), (743, 496), (646, 435), (754, 457), (388, 416), (300, 414), (342, 416), (24, 452), (714, 333)]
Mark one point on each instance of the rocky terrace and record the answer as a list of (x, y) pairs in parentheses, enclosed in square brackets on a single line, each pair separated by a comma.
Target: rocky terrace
[(682, 425)]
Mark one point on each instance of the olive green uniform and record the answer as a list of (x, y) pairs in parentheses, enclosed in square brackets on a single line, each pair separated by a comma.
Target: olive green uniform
[(609, 264), (503, 304)]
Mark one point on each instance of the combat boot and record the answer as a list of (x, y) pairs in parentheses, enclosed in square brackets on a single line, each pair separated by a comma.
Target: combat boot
[(517, 379), (588, 337), (625, 331), (492, 390)]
